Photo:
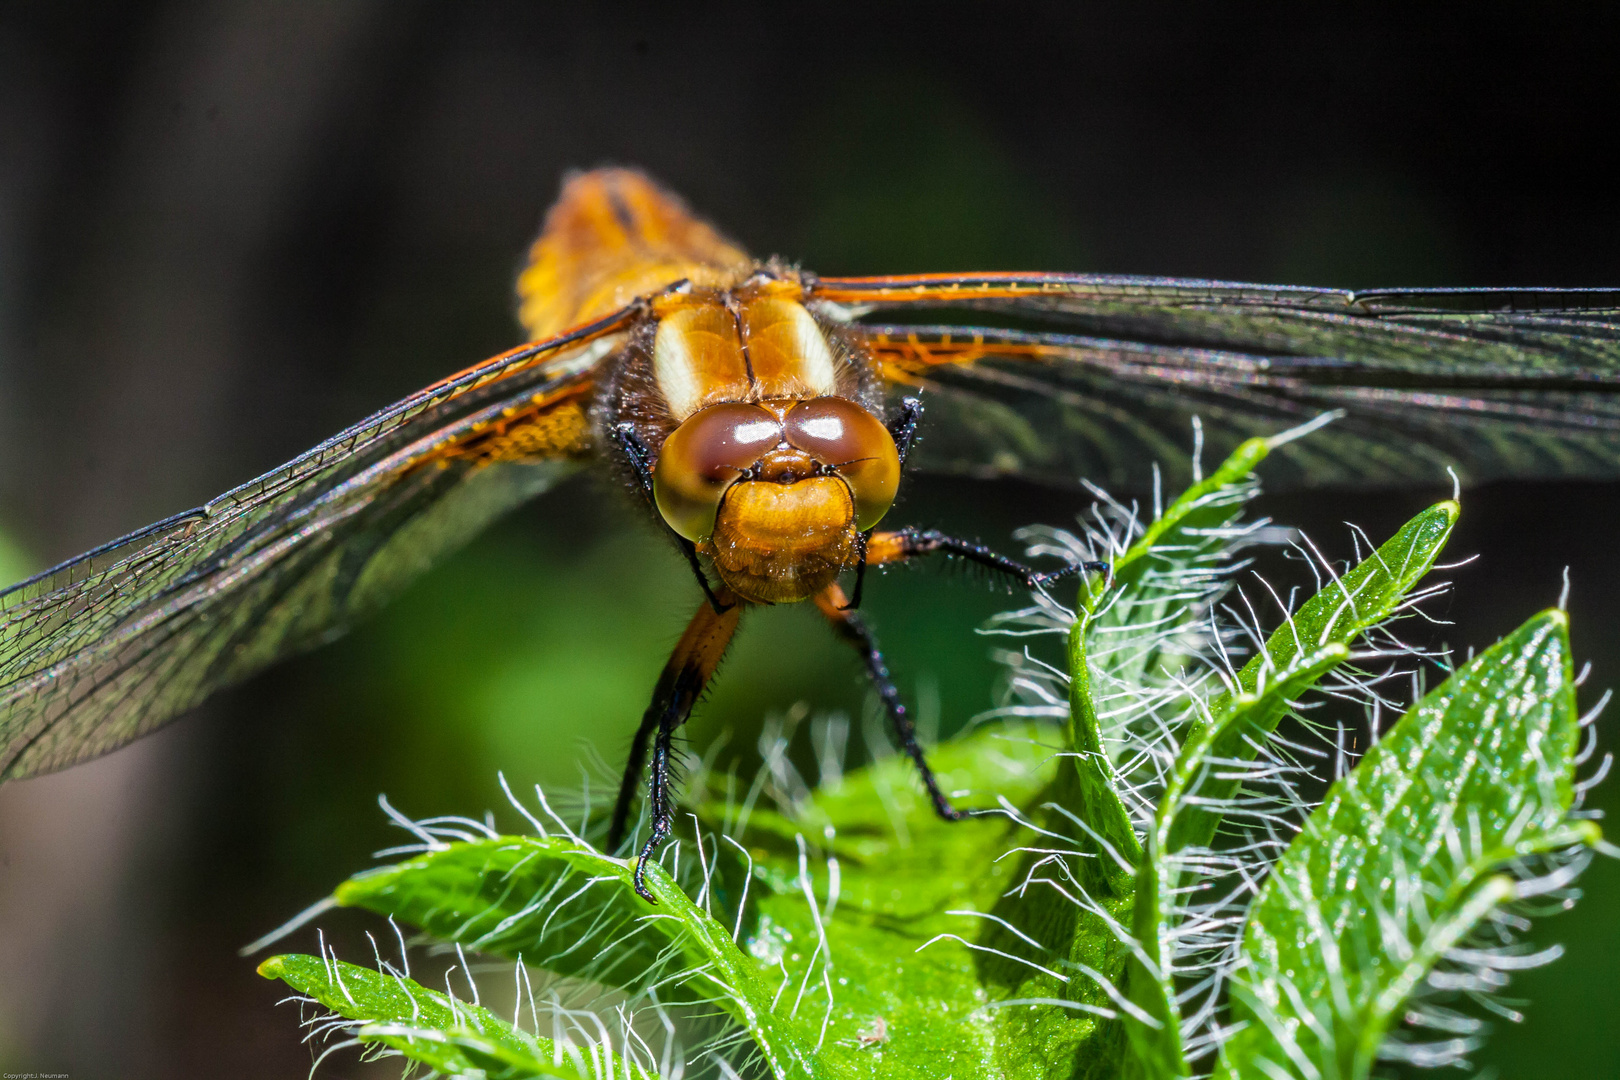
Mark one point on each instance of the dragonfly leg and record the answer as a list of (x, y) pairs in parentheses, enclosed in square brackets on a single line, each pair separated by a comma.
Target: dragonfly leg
[(688, 671), (908, 543), (860, 573), (660, 781), (852, 628), (633, 765), (903, 426), (638, 454), (689, 549)]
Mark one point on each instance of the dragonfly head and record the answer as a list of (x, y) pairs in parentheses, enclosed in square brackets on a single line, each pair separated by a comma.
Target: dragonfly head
[(777, 492)]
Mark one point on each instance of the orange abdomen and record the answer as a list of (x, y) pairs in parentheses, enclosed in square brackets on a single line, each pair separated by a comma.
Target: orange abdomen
[(612, 236)]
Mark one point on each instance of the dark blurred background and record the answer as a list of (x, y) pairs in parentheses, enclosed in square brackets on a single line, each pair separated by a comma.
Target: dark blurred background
[(228, 229)]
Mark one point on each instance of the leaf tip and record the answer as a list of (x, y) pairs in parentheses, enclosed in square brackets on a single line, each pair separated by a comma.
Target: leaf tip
[(1552, 618), (273, 968), (1255, 448)]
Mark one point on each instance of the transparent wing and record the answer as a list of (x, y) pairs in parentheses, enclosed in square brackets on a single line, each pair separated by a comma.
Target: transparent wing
[(1104, 376), (104, 648)]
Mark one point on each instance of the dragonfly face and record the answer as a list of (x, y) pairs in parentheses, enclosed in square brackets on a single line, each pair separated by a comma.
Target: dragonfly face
[(764, 415), (776, 462), (777, 492)]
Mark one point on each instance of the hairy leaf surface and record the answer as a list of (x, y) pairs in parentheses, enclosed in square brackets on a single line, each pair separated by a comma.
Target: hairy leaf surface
[(455, 1038), (1405, 856)]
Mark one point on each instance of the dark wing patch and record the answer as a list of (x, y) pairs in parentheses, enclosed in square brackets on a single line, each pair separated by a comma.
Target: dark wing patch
[(104, 648), (1494, 383)]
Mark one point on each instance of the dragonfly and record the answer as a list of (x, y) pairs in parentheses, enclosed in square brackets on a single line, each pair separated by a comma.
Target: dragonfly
[(766, 416)]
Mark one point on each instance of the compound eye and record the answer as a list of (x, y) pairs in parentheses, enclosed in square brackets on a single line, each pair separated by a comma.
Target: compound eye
[(839, 433), (704, 456)]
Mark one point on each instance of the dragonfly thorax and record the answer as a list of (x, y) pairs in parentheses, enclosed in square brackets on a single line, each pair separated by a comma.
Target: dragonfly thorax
[(747, 344)]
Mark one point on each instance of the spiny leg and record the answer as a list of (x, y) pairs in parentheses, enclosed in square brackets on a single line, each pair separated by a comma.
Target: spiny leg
[(903, 426), (909, 543), (886, 547), (878, 548), (632, 770), (860, 571), (853, 629), (688, 671)]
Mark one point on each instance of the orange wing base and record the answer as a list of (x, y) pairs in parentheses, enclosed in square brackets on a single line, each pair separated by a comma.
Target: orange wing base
[(548, 426), (904, 360)]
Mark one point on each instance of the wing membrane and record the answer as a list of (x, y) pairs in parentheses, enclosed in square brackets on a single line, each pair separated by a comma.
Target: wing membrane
[(106, 647), (1495, 383)]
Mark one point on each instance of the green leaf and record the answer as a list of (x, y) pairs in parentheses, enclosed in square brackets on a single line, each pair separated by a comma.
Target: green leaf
[(1204, 504), (1174, 543), (559, 904), (1091, 788), (1311, 643), (1347, 608), (453, 1037), (828, 988), (1403, 859), (1129, 653), (1157, 1038), (550, 900), (903, 948)]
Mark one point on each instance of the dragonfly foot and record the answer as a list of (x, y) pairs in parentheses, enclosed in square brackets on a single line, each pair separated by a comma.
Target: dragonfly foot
[(640, 875)]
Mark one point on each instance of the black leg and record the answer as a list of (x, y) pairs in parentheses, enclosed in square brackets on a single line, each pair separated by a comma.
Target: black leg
[(661, 798), (853, 629), (860, 573), (903, 426), (688, 671), (909, 543), (638, 454), (690, 551), (632, 777)]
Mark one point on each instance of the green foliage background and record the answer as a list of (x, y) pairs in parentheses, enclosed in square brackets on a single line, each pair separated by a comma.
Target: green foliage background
[(548, 632)]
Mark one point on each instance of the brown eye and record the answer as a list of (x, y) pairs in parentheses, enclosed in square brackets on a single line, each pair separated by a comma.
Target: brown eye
[(840, 433), (702, 458)]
